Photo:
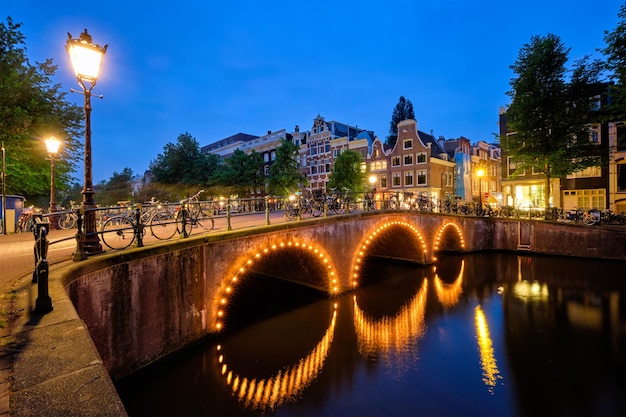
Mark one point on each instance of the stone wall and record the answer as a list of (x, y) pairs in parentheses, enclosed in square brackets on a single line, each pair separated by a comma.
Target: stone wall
[(148, 302)]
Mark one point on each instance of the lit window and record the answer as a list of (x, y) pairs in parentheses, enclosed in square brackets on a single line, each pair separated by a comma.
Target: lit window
[(408, 178)]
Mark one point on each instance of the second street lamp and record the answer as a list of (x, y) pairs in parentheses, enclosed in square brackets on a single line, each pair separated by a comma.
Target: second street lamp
[(86, 58), (52, 145)]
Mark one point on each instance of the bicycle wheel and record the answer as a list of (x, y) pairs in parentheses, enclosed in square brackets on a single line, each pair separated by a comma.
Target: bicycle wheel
[(340, 206), (118, 232), (393, 202), (318, 208), (163, 226), (291, 212), (67, 221), (589, 220)]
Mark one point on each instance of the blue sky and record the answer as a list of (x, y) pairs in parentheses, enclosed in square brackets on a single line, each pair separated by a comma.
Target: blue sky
[(214, 69)]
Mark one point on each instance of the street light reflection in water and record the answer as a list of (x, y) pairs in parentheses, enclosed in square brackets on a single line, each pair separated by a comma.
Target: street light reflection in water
[(482, 334)]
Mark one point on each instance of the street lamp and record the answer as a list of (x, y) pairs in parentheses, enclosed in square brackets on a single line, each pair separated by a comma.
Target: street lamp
[(86, 58), (480, 174), (52, 145)]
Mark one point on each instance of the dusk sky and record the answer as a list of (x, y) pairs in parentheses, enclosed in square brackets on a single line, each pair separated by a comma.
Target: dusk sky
[(213, 69)]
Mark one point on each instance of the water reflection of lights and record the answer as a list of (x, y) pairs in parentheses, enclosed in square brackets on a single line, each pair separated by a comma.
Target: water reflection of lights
[(531, 291), (491, 374), (443, 229), (448, 294), (317, 252), (390, 335), (363, 250), (287, 384)]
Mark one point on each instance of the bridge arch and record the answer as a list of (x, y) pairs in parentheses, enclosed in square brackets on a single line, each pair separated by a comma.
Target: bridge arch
[(449, 238), (381, 242), (260, 394), (319, 262)]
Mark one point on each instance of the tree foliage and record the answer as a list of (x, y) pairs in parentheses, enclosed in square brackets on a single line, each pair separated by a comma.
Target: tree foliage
[(285, 177), (402, 111), (550, 112), (118, 188), (184, 163), (242, 172), (615, 52), (347, 172), (32, 109)]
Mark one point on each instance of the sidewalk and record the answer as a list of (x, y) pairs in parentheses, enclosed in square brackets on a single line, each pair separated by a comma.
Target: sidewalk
[(17, 263)]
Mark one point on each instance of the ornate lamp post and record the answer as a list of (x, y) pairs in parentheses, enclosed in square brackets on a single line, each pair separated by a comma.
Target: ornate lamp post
[(86, 58), (480, 173), (52, 145)]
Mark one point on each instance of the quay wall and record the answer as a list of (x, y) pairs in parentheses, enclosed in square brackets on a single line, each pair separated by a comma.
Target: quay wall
[(145, 303)]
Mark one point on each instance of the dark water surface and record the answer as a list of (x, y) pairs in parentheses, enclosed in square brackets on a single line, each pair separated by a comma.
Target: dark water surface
[(477, 335)]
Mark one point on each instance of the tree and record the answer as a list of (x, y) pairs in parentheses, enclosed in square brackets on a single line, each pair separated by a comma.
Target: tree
[(402, 111), (549, 115), (615, 52), (242, 172), (32, 108), (347, 172), (183, 163), (118, 188), (285, 177)]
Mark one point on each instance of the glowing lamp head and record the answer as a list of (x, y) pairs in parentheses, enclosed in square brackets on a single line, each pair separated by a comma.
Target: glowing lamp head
[(480, 172), (372, 179), (52, 145), (86, 56)]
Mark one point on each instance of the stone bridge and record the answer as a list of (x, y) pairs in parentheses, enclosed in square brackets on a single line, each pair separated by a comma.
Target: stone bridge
[(146, 303)]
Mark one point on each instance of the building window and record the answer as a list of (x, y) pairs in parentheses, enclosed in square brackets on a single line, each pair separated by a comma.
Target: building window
[(395, 179), (383, 180), (408, 178), (589, 199), (421, 158), (594, 134), (378, 165), (421, 177), (395, 161), (266, 157), (621, 178), (408, 144), (327, 147), (273, 156), (336, 152), (512, 166), (408, 159)]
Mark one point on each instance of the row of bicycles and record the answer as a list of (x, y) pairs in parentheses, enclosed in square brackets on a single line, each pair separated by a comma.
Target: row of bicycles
[(120, 226), (314, 203), (592, 217)]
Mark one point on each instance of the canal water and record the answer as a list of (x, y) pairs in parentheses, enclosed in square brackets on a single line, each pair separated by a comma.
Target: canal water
[(486, 334)]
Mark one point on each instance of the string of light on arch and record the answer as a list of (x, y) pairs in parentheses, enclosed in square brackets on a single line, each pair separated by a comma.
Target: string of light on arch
[(443, 229), (364, 247), (316, 251), (286, 384)]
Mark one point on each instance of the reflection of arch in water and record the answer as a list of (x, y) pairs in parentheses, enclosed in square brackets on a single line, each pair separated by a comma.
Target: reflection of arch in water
[(389, 335), (449, 238), (491, 374), (365, 246), (448, 294), (287, 384), (315, 252)]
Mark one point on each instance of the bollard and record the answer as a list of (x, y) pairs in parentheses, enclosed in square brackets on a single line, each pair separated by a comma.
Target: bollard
[(138, 227), (267, 211), (183, 213), (228, 226), (79, 253), (43, 304)]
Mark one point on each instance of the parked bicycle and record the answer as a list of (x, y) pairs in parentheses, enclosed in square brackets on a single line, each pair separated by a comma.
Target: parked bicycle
[(121, 230), (194, 214)]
